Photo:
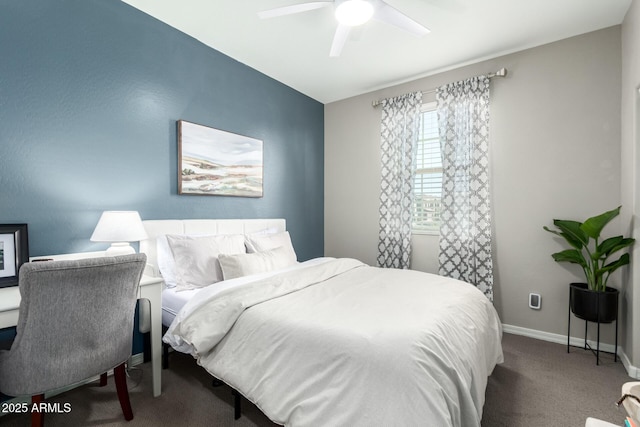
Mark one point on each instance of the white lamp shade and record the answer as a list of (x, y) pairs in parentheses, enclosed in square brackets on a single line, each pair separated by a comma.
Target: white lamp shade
[(119, 226)]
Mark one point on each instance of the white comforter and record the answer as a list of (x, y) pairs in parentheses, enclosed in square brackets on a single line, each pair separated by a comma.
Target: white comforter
[(339, 343)]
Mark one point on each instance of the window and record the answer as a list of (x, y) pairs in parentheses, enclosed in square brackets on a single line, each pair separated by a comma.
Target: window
[(427, 186)]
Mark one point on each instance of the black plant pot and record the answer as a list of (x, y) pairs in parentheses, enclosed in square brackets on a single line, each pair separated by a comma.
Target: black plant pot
[(589, 305)]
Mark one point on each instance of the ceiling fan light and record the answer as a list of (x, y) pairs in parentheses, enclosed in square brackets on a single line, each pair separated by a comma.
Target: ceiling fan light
[(354, 12)]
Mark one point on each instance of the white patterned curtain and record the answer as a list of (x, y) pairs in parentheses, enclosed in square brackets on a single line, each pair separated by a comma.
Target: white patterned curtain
[(399, 131), (465, 231)]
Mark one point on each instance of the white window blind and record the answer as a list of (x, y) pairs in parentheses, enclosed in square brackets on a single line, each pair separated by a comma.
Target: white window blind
[(427, 189)]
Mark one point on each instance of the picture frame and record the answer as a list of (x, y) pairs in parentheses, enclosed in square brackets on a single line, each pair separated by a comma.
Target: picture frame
[(14, 251), (214, 162)]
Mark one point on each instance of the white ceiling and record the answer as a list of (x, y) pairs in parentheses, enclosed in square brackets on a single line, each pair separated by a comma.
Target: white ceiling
[(294, 49)]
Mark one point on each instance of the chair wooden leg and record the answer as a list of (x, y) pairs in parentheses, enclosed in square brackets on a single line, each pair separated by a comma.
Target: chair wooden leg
[(103, 379), (123, 394), (37, 417)]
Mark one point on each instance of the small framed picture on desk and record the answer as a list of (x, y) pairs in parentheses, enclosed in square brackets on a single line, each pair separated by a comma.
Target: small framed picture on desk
[(14, 251)]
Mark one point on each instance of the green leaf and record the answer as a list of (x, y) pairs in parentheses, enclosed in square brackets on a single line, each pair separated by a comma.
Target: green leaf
[(570, 255), (572, 232), (594, 225), (570, 239), (613, 266), (613, 244)]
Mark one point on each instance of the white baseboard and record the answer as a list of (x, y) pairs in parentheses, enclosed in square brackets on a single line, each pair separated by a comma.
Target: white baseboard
[(136, 359), (632, 371)]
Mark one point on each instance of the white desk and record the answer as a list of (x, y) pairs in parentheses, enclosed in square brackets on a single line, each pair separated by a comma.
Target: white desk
[(150, 288)]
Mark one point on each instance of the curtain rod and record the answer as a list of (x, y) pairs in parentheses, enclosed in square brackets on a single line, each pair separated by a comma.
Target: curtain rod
[(502, 72)]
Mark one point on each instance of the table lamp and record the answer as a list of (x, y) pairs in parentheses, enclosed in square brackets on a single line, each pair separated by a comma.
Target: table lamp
[(119, 228)]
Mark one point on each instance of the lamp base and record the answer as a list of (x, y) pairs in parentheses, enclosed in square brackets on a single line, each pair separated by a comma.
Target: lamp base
[(120, 248)]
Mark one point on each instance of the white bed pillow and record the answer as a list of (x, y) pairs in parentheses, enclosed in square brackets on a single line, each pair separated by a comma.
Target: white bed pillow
[(259, 242), (253, 263), (196, 257), (166, 264)]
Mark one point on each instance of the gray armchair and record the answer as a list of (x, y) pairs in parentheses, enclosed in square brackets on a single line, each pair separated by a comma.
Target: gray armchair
[(75, 322)]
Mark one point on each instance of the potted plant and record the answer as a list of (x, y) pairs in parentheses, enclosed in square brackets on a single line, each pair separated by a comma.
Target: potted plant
[(594, 300)]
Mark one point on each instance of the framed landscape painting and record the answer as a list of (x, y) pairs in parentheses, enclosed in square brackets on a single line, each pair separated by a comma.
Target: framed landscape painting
[(218, 163), (14, 251)]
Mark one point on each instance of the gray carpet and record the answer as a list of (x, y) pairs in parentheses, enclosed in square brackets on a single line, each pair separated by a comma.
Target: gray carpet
[(538, 385)]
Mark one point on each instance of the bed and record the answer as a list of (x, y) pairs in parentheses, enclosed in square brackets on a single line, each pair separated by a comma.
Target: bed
[(333, 341)]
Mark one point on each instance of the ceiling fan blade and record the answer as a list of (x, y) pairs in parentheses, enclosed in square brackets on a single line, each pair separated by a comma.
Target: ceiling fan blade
[(339, 39), (296, 8), (392, 16)]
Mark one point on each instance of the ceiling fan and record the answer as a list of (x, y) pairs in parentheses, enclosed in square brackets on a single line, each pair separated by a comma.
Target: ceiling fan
[(351, 13)]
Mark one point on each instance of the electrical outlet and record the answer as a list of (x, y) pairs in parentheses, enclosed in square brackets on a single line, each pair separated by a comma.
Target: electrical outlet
[(535, 301)]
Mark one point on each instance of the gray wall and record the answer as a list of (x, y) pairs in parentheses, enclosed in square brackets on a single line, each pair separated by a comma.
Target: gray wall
[(90, 92), (630, 167), (555, 153)]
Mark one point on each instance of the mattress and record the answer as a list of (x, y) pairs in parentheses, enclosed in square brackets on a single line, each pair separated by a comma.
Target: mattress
[(173, 301)]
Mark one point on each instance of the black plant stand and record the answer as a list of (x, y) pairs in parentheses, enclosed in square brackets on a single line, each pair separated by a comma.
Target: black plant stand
[(586, 324)]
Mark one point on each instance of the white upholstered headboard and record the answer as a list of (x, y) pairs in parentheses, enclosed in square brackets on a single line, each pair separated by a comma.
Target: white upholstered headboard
[(157, 228)]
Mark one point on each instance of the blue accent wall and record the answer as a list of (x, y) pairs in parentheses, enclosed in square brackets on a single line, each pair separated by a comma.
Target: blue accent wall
[(90, 93)]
